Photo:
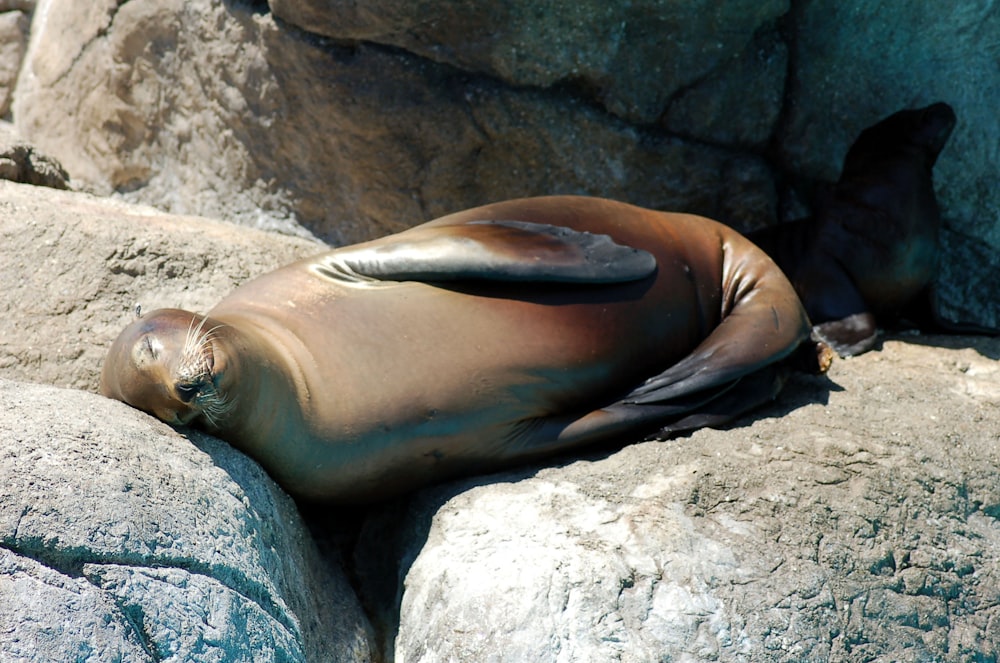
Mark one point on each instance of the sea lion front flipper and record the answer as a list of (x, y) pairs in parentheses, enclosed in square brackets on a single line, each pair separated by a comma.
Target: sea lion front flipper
[(840, 315), (491, 250), (849, 336)]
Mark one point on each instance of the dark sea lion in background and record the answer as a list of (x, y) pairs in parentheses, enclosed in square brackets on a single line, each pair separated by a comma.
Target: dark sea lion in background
[(495, 335), (869, 254)]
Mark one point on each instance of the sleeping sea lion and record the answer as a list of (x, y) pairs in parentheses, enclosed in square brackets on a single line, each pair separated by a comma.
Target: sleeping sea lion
[(487, 337), (869, 254)]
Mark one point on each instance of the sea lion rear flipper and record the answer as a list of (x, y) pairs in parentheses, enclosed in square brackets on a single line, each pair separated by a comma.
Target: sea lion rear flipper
[(491, 250), (742, 363), (655, 420)]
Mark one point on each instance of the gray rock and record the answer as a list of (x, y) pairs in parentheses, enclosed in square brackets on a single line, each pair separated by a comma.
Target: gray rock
[(854, 520), (27, 6), (738, 104), (634, 56), (965, 290), (130, 542), (13, 41), (83, 264), (21, 162), (273, 126)]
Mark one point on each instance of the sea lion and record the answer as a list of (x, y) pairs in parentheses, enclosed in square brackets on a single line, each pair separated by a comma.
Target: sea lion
[(870, 251), (490, 336)]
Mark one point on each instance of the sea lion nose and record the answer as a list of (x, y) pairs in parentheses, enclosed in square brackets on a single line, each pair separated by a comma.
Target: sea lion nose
[(186, 391)]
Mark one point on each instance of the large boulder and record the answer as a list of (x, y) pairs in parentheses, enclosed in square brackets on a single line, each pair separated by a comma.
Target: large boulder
[(247, 117), (634, 58), (21, 162), (13, 42), (121, 539), (82, 265), (854, 520)]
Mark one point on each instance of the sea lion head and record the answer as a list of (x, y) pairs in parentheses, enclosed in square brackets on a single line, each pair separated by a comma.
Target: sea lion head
[(919, 133), (169, 363)]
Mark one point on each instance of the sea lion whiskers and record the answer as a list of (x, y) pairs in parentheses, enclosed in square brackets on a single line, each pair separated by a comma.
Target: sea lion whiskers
[(196, 379), (215, 407), (197, 357)]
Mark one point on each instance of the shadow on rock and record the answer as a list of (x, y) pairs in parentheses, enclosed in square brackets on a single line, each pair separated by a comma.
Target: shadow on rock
[(987, 346)]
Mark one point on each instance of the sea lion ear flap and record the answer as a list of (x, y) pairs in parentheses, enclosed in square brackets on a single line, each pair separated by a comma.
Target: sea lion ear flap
[(491, 250)]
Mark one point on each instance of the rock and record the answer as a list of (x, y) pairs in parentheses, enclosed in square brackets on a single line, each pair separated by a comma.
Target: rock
[(21, 162), (856, 519), (857, 62), (13, 41), (87, 263), (130, 541), (633, 57), (253, 120), (738, 104), (965, 290)]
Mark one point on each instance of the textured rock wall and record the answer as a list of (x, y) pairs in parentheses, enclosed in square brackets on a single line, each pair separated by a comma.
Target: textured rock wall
[(127, 542), (854, 521), (84, 263), (248, 117), (13, 41)]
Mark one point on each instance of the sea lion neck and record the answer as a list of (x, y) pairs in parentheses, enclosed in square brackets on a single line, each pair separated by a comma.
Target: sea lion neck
[(269, 384)]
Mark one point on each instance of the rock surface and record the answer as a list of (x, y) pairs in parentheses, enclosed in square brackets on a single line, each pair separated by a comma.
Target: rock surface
[(82, 265), (857, 519), (13, 41), (246, 117), (21, 162), (119, 538), (634, 57), (127, 541)]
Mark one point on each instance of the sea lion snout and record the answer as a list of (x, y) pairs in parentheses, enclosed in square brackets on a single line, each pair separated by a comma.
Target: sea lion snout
[(937, 121)]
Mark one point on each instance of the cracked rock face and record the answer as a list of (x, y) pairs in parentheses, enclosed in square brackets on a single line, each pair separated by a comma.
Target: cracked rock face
[(248, 117), (635, 56), (21, 162), (857, 519), (128, 542), (84, 264)]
